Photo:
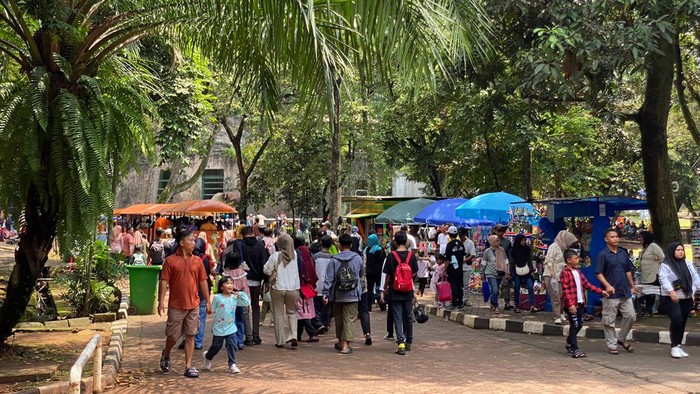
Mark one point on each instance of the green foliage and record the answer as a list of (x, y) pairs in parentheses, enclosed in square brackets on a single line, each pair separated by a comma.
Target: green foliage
[(99, 275)]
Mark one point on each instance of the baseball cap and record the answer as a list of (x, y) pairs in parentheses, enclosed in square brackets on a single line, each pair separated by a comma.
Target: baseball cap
[(452, 230), (499, 227)]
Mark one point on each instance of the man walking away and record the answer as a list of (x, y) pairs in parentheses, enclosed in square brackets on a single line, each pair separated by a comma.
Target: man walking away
[(614, 271), (321, 259), (455, 258), (400, 268), (254, 255), (342, 286), (184, 275), (469, 256)]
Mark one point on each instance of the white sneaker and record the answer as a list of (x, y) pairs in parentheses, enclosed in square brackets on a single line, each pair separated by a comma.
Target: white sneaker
[(676, 352), (206, 364), (557, 321), (683, 353), (234, 369)]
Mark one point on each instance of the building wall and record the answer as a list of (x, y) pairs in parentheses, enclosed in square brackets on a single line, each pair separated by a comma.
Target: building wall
[(141, 185), (402, 187)]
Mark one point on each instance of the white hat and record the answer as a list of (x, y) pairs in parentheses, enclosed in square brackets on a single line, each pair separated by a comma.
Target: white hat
[(452, 230)]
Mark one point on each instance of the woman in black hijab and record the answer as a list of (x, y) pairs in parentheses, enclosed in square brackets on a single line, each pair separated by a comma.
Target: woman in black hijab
[(522, 271), (679, 281)]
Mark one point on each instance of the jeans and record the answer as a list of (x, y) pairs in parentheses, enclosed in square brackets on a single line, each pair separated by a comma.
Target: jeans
[(494, 284), (456, 287), (403, 320), (575, 325), (373, 282), (323, 312), (678, 313), (216, 344), (241, 317), (199, 338), (529, 283), (389, 318), (255, 309), (364, 309), (466, 276)]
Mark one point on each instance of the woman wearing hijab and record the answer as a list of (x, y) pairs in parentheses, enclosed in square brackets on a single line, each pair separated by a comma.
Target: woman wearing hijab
[(374, 259), (208, 250), (283, 272), (494, 267), (679, 281), (553, 264), (650, 259), (306, 312), (521, 271)]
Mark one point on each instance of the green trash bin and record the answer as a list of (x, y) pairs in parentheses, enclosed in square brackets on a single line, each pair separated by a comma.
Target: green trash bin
[(143, 288)]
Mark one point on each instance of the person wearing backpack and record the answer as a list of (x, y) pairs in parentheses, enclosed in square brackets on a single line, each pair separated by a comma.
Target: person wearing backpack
[(156, 252), (400, 269), (342, 286)]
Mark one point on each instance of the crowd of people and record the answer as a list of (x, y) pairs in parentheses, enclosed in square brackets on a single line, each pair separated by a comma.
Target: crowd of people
[(310, 284)]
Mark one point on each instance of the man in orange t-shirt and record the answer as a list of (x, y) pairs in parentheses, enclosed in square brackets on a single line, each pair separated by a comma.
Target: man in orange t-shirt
[(183, 273), (162, 222)]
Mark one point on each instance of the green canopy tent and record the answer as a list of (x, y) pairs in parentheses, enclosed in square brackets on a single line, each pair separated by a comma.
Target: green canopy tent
[(403, 212)]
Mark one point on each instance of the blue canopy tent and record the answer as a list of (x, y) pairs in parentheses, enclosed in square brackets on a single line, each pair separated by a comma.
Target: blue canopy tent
[(493, 208), (442, 212), (601, 209)]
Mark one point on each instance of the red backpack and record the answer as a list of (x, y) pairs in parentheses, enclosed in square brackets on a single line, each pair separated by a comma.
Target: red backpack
[(403, 276)]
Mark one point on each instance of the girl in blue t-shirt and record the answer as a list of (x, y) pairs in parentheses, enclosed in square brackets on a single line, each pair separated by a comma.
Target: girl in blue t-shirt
[(224, 326)]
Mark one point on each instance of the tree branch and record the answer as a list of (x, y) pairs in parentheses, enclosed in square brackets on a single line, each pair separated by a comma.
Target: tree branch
[(12, 51), (26, 34), (680, 92), (257, 156)]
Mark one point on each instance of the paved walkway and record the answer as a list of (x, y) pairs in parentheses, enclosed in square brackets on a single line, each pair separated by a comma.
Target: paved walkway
[(447, 357), (480, 308)]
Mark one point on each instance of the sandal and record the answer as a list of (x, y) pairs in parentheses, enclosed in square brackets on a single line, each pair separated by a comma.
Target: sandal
[(578, 354), (348, 351), (313, 339), (613, 351), (191, 373), (626, 346), (337, 346)]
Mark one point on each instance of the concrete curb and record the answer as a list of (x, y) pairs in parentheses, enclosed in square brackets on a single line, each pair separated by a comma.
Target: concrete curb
[(542, 328), (110, 365)]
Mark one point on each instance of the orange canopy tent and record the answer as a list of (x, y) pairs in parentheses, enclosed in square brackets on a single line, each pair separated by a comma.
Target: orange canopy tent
[(193, 207), (198, 207)]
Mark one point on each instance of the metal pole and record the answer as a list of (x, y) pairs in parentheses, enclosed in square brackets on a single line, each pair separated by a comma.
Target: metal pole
[(76, 372)]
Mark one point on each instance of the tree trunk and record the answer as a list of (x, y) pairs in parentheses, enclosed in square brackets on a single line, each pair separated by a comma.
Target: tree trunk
[(334, 187), (435, 181), (652, 120), (527, 170), (34, 246), (488, 121)]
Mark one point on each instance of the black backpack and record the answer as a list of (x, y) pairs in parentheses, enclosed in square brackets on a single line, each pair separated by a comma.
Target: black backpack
[(157, 253), (345, 278)]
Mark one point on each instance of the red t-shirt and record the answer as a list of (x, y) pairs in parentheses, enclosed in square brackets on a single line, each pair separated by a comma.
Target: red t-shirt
[(183, 276)]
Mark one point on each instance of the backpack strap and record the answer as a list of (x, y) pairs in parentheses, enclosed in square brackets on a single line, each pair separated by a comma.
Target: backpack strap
[(398, 259)]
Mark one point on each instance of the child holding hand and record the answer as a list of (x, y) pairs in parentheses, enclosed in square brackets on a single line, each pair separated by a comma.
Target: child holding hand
[(573, 299), (224, 326)]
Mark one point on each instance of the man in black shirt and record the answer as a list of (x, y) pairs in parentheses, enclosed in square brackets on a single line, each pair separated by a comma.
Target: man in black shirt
[(454, 256), (401, 301)]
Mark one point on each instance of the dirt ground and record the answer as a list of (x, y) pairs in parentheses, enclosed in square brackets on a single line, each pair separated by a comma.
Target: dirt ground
[(46, 348)]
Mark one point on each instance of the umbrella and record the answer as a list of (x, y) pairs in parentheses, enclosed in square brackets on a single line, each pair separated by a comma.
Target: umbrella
[(403, 212), (491, 208), (442, 212)]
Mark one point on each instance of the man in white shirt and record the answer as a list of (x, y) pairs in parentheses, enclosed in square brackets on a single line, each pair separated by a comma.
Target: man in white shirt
[(469, 256), (442, 239), (411, 239)]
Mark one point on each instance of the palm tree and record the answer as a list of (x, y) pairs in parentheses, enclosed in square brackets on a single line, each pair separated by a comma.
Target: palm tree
[(75, 105)]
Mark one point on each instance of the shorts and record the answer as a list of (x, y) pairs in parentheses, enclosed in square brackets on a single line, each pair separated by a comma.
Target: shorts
[(182, 322)]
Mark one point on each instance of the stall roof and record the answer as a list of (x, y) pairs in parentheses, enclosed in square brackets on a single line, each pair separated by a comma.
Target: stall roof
[(403, 212), (592, 206)]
